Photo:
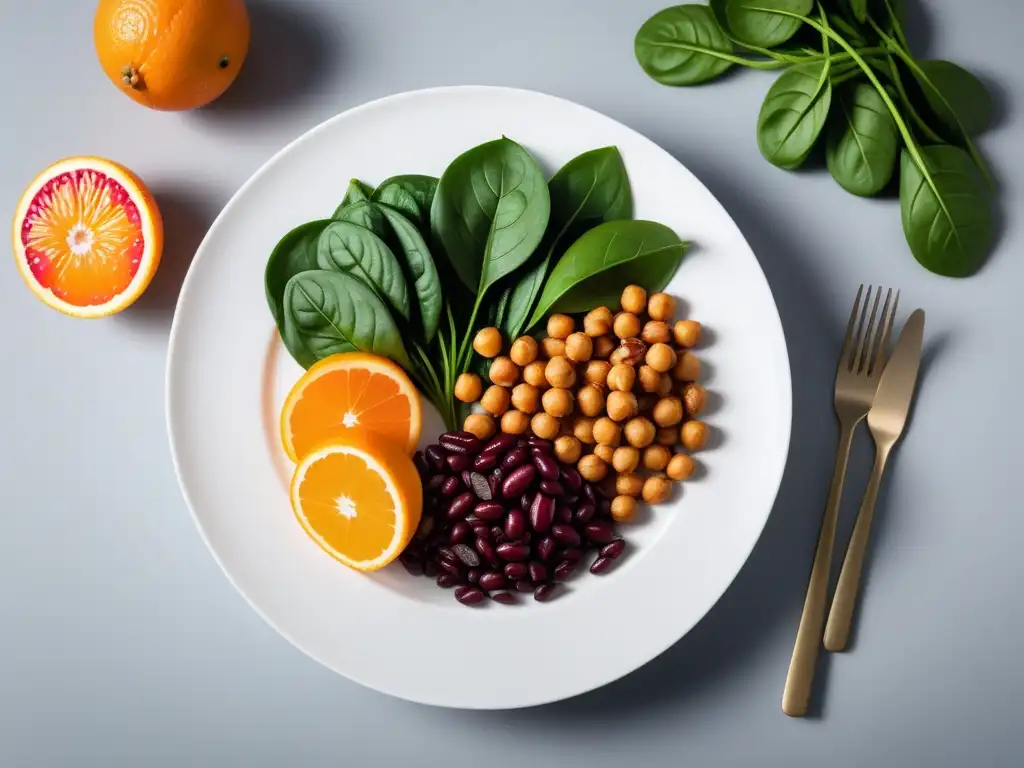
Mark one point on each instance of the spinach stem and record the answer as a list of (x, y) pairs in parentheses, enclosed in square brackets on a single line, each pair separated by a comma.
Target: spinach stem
[(908, 105), (462, 360)]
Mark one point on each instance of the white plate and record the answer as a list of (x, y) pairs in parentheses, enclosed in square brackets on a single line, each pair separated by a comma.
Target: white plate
[(227, 375)]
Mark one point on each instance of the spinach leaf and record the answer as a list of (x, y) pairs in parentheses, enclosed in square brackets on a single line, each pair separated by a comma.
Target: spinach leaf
[(490, 212), (357, 192), (349, 248), (295, 253), (330, 312), (364, 213), (683, 45), (862, 142), (420, 270), (945, 209), (752, 22), (588, 190), (594, 269), (411, 195), (859, 8), (959, 99), (793, 114)]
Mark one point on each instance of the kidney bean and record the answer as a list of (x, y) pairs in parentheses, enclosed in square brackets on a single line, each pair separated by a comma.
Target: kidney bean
[(564, 570), (436, 482), (564, 515), (514, 458), (538, 571), (566, 534), (467, 555), (516, 571), (492, 580), (613, 549), (584, 513), (452, 568), (546, 465), (422, 466), (572, 479), (572, 554), (447, 581), (600, 532), (544, 592), (450, 487), (505, 598), (430, 568), (416, 549), (483, 546), (542, 511), (460, 505), (493, 483), (489, 511), (526, 500), (590, 494), (497, 534), (444, 553), (460, 442), (467, 479), (414, 565), (515, 524), (524, 586), (436, 456), (601, 565), (469, 595), (500, 443), (518, 480), (485, 461), (459, 533), (570, 499), (458, 462), (546, 548), (479, 485), (512, 552), (537, 442), (552, 488), (473, 575), (480, 529)]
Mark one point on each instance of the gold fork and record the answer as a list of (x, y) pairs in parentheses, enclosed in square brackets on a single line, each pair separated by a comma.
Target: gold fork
[(860, 367)]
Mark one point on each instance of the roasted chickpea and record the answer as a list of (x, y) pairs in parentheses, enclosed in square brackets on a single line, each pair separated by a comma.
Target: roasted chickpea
[(695, 398), (504, 372), (603, 347), (495, 400), (550, 347), (629, 484), (649, 378), (680, 467), (514, 422), (607, 432), (597, 372), (664, 385), (468, 388), (694, 435), (545, 426), (655, 332), (479, 424), (524, 350), (560, 373), (623, 508), (661, 357), (656, 457), (657, 489), (661, 306), (597, 322), (592, 468), (560, 326), (604, 453), (686, 333), (583, 430), (621, 377), (533, 374), (625, 459), (590, 400), (630, 351), (487, 342), (525, 398), (568, 449), (639, 432), (557, 402), (687, 367), (666, 436), (621, 405), (579, 347), (668, 411), (626, 325), (634, 299)]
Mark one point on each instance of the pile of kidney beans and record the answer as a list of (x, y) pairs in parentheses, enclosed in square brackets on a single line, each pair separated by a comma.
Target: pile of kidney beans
[(505, 516)]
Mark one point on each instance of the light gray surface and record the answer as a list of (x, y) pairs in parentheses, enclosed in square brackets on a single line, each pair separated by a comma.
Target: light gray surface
[(121, 644)]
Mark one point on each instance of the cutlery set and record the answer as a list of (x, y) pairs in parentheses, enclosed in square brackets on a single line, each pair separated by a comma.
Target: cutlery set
[(872, 384)]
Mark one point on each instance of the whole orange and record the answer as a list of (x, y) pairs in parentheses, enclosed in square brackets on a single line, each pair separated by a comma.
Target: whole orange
[(172, 54)]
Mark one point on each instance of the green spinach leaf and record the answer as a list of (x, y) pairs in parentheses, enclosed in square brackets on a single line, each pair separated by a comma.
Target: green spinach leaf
[(862, 144), (364, 213), (355, 250), (683, 45), (420, 270), (411, 195), (959, 99), (295, 253), (753, 23), (357, 192), (793, 114)]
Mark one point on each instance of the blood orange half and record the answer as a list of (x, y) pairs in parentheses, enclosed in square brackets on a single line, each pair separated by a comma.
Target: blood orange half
[(87, 236)]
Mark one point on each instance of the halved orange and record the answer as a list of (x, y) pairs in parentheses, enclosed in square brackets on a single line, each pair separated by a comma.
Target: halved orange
[(360, 499), (348, 393), (87, 236)]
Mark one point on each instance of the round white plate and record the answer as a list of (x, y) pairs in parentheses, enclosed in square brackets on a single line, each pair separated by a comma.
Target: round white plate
[(227, 376)]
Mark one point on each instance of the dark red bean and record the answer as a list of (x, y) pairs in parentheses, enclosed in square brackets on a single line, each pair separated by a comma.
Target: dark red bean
[(450, 487), (538, 571), (564, 570), (447, 581), (526, 500), (444, 553), (492, 580), (515, 524), (430, 568), (467, 555), (572, 479), (436, 482), (493, 483), (452, 568), (514, 458), (544, 592), (516, 571), (566, 534), (546, 465), (572, 554), (416, 549), (480, 529), (479, 485), (614, 549), (570, 499), (489, 511), (414, 565), (601, 565), (564, 515), (458, 462), (546, 548), (483, 546), (500, 443), (524, 586), (460, 505), (538, 442), (496, 534), (473, 575), (459, 533), (518, 480), (512, 552), (485, 461), (422, 466), (460, 442), (552, 488), (584, 513), (600, 532), (469, 595), (590, 494), (542, 511), (436, 456), (467, 479), (505, 598)]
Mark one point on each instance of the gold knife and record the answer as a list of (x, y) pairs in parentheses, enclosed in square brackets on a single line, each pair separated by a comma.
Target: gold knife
[(886, 420)]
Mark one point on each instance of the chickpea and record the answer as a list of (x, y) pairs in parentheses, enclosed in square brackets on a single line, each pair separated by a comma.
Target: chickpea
[(621, 377), (568, 449), (687, 367), (668, 411), (661, 306), (504, 372), (603, 347), (664, 385), (544, 426), (604, 453), (634, 299), (656, 457), (680, 467), (579, 347), (639, 432), (695, 398), (694, 435), (686, 333), (666, 436), (514, 422), (597, 322), (550, 347), (590, 400), (607, 432), (468, 388), (583, 430), (625, 459), (533, 374), (629, 484), (649, 378), (560, 326), (524, 350), (480, 424), (657, 489), (655, 331), (630, 351), (623, 509), (621, 405), (525, 398), (487, 342), (597, 372), (557, 402), (495, 400), (560, 373), (661, 357), (592, 468), (626, 325)]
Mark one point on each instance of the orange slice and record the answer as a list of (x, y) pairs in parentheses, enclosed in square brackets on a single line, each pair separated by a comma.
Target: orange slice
[(347, 393), (360, 500), (87, 237)]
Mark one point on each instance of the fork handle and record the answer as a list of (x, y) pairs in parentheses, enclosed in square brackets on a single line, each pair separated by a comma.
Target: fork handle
[(797, 694), (840, 616)]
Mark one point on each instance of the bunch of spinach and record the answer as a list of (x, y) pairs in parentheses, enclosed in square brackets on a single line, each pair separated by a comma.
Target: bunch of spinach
[(849, 78), (412, 268)]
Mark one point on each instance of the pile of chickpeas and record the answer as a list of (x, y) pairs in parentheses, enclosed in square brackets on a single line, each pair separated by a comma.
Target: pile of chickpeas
[(616, 397)]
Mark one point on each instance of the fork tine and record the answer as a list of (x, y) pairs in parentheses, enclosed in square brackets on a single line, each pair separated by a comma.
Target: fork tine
[(868, 341), (878, 352), (858, 355), (848, 342), (888, 336)]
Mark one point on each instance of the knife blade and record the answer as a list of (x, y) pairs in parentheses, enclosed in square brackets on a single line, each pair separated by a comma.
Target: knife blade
[(896, 387)]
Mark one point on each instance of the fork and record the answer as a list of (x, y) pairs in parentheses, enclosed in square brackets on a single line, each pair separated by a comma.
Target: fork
[(861, 361)]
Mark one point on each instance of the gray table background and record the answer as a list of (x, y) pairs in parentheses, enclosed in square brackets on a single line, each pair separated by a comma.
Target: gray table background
[(121, 643)]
